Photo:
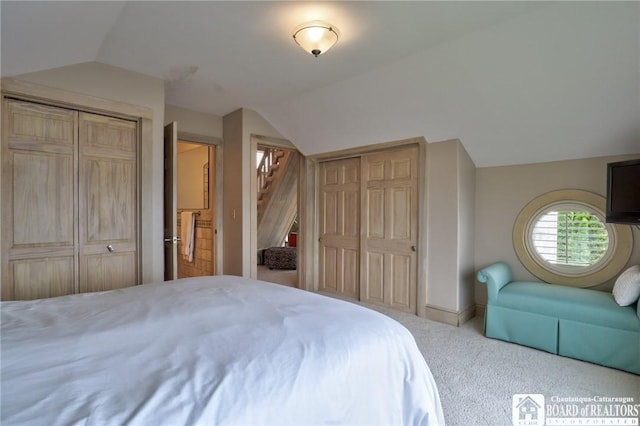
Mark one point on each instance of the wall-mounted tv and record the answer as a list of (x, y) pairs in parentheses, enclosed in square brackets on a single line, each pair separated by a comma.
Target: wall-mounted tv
[(623, 192)]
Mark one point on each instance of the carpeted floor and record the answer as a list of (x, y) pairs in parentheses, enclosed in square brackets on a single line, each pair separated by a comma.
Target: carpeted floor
[(278, 276), (477, 376)]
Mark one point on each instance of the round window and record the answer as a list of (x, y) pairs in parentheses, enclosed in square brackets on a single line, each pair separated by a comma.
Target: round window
[(561, 237)]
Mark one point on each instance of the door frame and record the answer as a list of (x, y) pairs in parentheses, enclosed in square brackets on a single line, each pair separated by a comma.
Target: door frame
[(309, 231), (217, 191), (253, 184)]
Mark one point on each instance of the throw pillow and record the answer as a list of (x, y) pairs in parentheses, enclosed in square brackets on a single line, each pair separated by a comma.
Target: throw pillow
[(626, 290)]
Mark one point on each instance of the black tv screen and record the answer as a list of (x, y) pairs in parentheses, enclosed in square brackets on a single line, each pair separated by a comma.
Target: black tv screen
[(623, 192)]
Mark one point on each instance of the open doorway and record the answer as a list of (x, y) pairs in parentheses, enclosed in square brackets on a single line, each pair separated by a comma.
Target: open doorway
[(195, 195), (192, 176), (277, 214)]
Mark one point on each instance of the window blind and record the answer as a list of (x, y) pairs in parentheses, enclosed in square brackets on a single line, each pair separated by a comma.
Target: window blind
[(575, 238)]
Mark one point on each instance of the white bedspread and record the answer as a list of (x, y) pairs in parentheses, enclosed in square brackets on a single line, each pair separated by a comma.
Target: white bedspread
[(210, 351)]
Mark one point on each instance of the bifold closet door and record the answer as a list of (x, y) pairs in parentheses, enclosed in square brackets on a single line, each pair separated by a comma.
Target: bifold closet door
[(389, 228), (108, 190), (38, 201), (339, 221), (69, 201)]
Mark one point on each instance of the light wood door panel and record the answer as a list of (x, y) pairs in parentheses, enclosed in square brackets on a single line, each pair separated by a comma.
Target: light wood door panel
[(38, 201), (107, 201), (42, 199), (375, 213), (373, 274), (389, 228), (329, 268), (340, 227), (107, 136), (351, 273), (39, 127), (108, 272), (41, 278), (109, 209), (69, 190), (403, 281)]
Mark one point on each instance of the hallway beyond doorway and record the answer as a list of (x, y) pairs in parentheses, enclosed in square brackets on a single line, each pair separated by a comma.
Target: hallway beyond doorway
[(278, 276)]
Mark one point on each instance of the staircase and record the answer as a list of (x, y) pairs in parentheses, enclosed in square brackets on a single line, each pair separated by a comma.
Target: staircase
[(277, 176), (272, 161)]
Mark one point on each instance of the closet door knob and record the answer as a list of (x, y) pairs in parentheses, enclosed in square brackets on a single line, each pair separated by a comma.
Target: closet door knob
[(110, 248), (413, 248)]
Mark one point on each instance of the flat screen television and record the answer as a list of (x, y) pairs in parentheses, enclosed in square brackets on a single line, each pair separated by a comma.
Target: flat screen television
[(623, 192)]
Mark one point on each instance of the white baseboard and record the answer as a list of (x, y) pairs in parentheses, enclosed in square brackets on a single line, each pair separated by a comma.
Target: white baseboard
[(450, 317)]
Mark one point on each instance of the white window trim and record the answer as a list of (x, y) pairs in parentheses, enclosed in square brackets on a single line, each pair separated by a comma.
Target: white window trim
[(616, 257)]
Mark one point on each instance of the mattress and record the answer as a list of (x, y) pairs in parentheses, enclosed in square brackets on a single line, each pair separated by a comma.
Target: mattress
[(210, 351)]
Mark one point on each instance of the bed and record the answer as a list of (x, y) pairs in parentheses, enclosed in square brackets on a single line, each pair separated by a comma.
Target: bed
[(209, 351)]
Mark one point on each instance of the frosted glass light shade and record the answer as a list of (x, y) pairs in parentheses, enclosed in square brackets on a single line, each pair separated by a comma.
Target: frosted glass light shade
[(316, 37)]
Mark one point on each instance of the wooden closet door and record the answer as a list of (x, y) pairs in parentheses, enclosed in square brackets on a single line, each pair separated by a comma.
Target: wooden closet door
[(108, 190), (38, 201), (389, 228), (340, 227)]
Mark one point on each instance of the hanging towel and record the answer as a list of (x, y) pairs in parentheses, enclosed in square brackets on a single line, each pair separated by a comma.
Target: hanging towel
[(187, 231)]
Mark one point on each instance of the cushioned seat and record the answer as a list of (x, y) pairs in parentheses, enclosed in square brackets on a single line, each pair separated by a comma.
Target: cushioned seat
[(579, 323), (576, 304)]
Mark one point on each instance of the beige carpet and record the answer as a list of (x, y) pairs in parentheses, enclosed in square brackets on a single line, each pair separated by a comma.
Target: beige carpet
[(279, 276), (477, 376)]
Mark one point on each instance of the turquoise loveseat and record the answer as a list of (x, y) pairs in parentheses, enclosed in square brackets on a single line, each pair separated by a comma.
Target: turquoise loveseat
[(579, 323)]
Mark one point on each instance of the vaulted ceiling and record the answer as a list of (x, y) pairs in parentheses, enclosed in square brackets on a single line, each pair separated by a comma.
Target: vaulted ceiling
[(516, 82)]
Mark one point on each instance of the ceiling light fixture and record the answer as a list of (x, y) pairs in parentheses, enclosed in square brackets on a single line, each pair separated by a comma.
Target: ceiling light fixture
[(316, 37)]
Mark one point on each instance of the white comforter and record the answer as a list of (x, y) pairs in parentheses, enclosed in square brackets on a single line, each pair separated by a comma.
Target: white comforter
[(210, 351)]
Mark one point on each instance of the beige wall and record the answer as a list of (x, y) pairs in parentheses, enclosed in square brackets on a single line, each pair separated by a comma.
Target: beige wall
[(466, 234), (232, 193), (239, 189), (117, 84), (450, 231), (501, 192), (191, 182), (253, 125), (442, 226), (194, 122)]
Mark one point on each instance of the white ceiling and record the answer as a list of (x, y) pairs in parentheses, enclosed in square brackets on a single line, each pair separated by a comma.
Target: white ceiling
[(516, 82)]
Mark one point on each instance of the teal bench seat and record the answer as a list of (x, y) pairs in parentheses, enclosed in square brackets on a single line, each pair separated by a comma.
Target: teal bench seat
[(579, 323)]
